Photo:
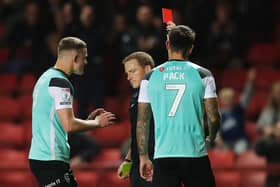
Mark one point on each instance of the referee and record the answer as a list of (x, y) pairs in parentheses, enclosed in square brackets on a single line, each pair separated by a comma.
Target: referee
[(53, 118)]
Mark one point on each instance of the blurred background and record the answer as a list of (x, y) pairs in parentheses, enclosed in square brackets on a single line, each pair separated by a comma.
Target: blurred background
[(239, 41)]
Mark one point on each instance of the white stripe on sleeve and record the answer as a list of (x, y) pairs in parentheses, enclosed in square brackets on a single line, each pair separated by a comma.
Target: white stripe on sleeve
[(210, 87), (143, 93)]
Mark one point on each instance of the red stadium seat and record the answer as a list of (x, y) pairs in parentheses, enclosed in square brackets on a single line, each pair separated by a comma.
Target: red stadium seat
[(27, 136), (107, 158), (110, 178), (25, 102), (8, 84), (12, 135), (227, 179), (2, 30), (251, 131), (4, 55), (234, 78), (221, 158), (16, 178), (13, 159), (266, 77), (114, 105), (113, 135), (249, 160), (263, 55), (26, 84), (257, 103), (253, 179), (9, 109), (87, 178)]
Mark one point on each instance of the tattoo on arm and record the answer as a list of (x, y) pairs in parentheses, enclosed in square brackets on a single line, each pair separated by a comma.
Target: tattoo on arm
[(143, 126), (213, 116)]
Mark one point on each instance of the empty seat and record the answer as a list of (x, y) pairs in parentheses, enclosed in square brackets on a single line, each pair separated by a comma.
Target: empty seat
[(8, 83), (13, 159), (221, 159), (25, 103), (234, 78), (256, 104), (11, 135), (87, 178), (9, 109), (251, 131), (12, 178), (111, 179), (4, 55), (250, 160), (227, 179), (26, 84), (107, 158), (253, 179), (264, 55), (113, 135), (266, 77)]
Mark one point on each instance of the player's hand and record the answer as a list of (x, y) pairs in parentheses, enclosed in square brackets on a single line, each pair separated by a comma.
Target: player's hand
[(95, 113), (122, 175), (106, 118), (146, 168), (170, 25)]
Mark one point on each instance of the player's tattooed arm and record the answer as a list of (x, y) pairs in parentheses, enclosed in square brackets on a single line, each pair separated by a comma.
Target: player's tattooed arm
[(213, 117), (143, 126)]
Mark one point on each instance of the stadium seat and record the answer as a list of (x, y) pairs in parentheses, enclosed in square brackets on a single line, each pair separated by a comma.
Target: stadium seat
[(266, 77), (9, 109), (107, 158), (87, 178), (234, 78), (253, 179), (13, 178), (263, 55), (4, 55), (13, 159), (227, 179), (2, 30), (251, 131), (221, 158), (249, 160), (8, 84), (25, 102), (113, 135), (27, 136), (114, 105), (110, 178), (257, 103), (12, 135), (26, 84)]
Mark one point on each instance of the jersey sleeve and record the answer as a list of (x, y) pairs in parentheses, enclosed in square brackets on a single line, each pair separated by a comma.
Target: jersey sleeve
[(60, 91), (210, 87), (143, 93)]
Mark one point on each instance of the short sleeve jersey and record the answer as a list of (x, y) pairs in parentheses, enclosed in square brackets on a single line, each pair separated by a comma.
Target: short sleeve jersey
[(53, 91), (176, 90)]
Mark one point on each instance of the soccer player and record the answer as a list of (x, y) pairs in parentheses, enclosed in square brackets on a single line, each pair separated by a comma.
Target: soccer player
[(53, 118), (136, 65), (177, 93)]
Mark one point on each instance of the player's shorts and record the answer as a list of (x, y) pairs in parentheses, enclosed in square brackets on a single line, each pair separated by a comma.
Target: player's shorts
[(192, 172), (135, 178), (52, 173)]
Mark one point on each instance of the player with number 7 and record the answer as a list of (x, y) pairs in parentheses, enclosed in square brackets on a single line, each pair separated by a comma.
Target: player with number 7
[(177, 94)]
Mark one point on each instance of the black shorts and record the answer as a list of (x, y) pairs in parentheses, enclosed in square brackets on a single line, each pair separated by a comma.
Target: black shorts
[(192, 172), (135, 178), (52, 173)]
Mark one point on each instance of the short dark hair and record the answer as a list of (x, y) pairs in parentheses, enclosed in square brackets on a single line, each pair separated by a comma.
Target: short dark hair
[(181, 38), (71, 43), (143, 58)]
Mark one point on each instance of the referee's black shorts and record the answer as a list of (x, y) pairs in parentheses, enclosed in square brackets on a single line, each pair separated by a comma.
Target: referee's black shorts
[(52, 173), (192, 172)]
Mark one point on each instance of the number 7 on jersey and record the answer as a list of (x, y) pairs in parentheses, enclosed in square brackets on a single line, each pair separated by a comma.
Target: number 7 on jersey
[(181, 90)]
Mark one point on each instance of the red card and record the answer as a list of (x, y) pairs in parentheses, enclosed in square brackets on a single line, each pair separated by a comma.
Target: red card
[(166, 15)]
